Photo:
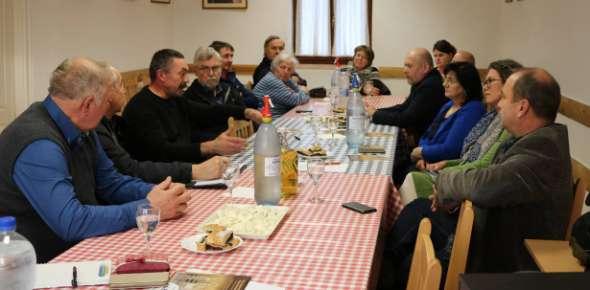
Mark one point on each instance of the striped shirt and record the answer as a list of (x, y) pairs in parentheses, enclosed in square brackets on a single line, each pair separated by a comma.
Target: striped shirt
[(284, 94)]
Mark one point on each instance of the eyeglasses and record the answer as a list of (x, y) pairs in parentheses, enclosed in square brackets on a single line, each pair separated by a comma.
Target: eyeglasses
[(488, 82), (211, 69)]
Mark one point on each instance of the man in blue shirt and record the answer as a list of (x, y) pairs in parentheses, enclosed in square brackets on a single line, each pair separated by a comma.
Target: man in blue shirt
[(55, 177)]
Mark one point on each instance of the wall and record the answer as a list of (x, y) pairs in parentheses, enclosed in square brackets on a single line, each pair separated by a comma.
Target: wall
[(553, 35), (123, 32)]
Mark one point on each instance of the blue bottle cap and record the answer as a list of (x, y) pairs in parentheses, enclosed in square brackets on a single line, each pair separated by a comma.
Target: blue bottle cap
[(355, 81), (7, 223)]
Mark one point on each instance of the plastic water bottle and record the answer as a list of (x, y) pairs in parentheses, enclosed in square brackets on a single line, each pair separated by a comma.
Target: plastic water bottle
[(340, 79), (355, 117), (267, 160), (17, 258)]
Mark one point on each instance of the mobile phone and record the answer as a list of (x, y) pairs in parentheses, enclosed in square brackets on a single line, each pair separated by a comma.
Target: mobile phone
[(359, 207), (216, 183)]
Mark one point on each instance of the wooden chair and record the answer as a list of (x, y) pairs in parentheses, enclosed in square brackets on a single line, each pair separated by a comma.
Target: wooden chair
[(577, 204), (425, 271), (556, 255), (460, 250), (240, 128)]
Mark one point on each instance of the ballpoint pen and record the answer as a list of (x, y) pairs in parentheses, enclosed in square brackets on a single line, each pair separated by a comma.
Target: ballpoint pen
[(74, 277)]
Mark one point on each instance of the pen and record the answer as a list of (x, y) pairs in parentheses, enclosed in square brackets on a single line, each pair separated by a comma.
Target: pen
[(74, 277), (303, 111)]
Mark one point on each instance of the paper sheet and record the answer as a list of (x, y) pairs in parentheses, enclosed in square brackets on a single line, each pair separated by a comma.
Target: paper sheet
[(60, 274)]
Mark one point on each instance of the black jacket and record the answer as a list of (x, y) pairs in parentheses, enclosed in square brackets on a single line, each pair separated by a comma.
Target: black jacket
[(154, 172), (417, 112), (223, 94)]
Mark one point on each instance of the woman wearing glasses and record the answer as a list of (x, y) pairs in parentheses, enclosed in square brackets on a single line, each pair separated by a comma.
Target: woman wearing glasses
[(480, 145)]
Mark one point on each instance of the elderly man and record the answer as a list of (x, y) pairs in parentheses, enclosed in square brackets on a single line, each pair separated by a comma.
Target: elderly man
[(284, 93), (464, 56), (147, 170), (273, 45), (228, 76), (524, 194), (416, 113), (56, 179), (158, 123), (207, 89)]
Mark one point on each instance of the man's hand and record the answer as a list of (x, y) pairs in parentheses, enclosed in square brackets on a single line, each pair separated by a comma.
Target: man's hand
[(416, 154), (210, 169), (436, 166), (171, 198), (449, 207), (254, 115), (224, 144)]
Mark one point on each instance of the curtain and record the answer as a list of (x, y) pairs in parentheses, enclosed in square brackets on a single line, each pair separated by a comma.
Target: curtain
[(313, 27), (351, 28)]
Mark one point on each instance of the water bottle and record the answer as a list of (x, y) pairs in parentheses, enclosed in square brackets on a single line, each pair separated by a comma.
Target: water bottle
[(17, 258), (355, 117), (267, 160)]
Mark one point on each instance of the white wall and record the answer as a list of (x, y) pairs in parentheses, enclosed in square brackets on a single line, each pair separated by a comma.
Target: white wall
[(123, 32), (553, 35)]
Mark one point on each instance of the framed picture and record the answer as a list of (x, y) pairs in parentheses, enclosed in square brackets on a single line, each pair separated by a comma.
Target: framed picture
[(225, 4), (161, 1)]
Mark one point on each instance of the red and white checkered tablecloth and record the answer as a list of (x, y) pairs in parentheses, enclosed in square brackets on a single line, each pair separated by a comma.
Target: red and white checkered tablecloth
[(317, 246)]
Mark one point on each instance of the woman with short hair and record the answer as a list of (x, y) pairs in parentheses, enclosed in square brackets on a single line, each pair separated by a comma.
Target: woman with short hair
[(277, 84), (369, 75)]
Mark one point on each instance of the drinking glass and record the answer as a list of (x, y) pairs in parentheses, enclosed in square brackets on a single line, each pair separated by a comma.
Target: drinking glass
[(147, 218), (315, 169), (333, 97), (333, 127), (230, 175), (315, 126)]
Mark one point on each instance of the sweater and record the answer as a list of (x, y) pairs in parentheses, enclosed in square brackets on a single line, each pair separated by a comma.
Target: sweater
[(159, 129), (149, 171)]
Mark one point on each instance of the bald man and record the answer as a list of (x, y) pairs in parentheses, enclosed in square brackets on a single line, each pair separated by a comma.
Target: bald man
[(415, 114), (464, 56), (56, 179)]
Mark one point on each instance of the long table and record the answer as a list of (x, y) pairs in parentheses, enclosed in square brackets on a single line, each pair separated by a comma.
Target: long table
[(317, 246)]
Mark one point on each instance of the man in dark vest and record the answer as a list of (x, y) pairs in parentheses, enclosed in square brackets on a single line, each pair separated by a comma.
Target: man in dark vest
[(55, 178)]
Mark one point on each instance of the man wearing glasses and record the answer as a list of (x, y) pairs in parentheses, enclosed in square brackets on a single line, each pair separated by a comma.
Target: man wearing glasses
[(158, 122), (207, 89)]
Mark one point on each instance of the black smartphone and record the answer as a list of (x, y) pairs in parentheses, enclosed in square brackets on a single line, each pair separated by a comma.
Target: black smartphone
[(359, 207)]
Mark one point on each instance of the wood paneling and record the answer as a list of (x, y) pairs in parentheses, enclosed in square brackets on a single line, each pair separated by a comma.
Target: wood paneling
[(575, 110)]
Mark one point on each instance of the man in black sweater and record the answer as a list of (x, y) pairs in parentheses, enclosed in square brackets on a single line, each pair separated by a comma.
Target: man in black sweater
[(147, 170), (415, 114), (158, 121)]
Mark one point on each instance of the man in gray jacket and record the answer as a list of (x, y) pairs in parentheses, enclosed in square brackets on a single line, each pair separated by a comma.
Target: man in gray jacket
[(525, 193)]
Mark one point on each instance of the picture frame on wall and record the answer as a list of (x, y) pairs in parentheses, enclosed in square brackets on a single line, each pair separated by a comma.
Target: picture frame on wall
[(161, 1), (225, 4)]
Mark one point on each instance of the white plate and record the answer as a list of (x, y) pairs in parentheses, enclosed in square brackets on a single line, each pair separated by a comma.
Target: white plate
[(190, 244), (248, 221)]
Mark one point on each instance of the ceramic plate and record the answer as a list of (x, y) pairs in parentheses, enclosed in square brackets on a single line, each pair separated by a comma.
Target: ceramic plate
[(190, 244)]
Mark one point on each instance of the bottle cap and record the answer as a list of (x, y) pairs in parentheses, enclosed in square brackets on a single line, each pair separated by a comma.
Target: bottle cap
[(266, 114), (337, 62), (7, 223), (355, 81)]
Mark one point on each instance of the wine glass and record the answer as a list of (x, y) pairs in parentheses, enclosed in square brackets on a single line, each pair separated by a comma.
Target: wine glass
[(315, 126), (147, 218), (315, 169), (333, 127), (230, 175)]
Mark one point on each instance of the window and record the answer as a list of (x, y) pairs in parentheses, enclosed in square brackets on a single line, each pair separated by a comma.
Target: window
[(325, 29)]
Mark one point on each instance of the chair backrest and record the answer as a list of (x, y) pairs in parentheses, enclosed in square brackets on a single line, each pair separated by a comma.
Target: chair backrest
[(425, 271), (460, 250), (577, 204), (240, 128)]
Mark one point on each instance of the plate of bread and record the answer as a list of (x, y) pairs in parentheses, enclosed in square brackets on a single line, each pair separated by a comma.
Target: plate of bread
[(216, 239)]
